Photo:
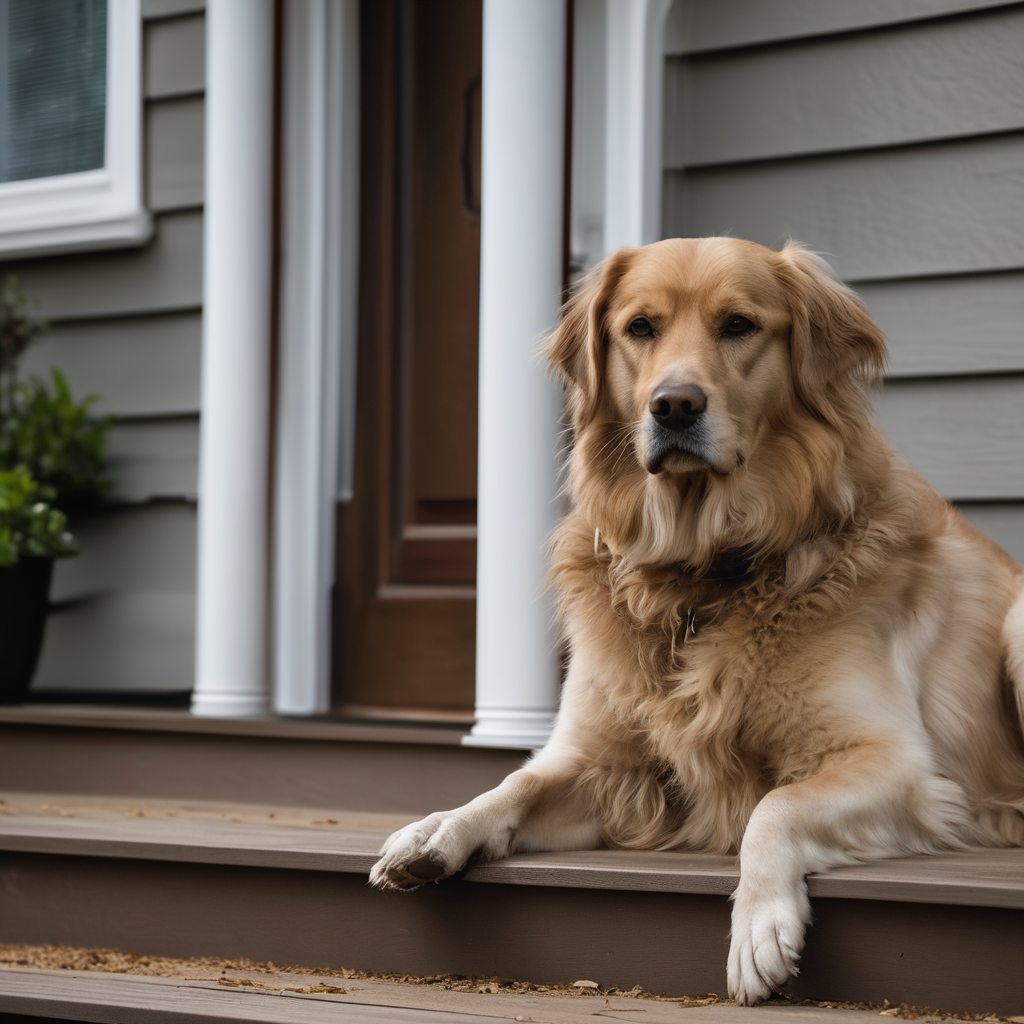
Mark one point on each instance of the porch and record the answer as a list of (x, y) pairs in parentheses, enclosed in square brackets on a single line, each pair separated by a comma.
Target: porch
[(185, 834), (163, 833)]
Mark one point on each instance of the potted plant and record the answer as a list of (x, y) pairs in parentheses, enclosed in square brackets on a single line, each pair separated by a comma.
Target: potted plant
[(32, 534), (51, 463)]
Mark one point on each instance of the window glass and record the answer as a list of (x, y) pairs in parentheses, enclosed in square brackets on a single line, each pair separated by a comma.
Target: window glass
[(53, 85)]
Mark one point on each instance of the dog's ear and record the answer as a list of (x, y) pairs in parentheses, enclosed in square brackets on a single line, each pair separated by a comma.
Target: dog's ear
[(838, 351), (576, 348)]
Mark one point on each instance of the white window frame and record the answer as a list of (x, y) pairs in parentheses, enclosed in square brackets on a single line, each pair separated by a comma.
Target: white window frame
[(100, 209)]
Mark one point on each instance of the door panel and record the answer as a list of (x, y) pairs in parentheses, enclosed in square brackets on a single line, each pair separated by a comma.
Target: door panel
[(405, 608)]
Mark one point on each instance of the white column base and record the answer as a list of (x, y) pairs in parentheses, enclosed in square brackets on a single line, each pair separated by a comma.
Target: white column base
[(510, 727), (228, 705)]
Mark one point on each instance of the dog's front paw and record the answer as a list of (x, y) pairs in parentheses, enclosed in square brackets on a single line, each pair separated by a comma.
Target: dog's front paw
[(767, 939), (425, 851)]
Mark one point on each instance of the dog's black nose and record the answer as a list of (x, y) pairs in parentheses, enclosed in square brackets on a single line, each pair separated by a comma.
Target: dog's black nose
[(678, 406)]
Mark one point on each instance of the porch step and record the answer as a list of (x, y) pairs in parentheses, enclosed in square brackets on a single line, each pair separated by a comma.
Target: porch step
[(288, 999), (944, 931), (396, 768), (982, 878)]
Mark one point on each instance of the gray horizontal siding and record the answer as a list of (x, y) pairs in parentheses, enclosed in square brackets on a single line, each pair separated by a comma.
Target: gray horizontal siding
[(121, 642), (174, 56), (156, 458), (963, 434), (908, 84), (138, 366), (149, 547), (166, 274), (695, 25), (951, 325), (126, 606), (932, 209), (889, 136), (1003, 521), (174, 153), (170, 8), (127, 326)]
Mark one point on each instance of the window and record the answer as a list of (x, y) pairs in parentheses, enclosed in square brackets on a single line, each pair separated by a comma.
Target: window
[(70, 126)]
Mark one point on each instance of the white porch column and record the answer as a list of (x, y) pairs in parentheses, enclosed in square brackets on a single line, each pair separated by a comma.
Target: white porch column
[(520, 285), (635, 78), (231, 635)]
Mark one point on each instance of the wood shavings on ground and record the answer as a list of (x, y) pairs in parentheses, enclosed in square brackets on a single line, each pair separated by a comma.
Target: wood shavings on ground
[(305, 989), (96, 808), (115, 961)]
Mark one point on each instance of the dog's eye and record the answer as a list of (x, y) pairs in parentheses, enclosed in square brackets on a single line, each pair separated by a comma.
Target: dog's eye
[(640, 327), (737, 325)]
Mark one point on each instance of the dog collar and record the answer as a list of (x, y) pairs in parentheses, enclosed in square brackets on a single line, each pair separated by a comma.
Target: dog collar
[(731, 566)]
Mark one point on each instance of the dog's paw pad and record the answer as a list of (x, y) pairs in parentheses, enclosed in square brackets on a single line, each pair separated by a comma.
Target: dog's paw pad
[(426, 869), (399, 876), (419, 853)]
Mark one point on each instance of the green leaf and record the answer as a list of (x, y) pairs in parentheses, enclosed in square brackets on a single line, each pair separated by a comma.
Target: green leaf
[(29, 525), (57, 439)]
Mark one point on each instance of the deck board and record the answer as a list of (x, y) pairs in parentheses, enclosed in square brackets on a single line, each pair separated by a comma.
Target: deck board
[(272, 726), (983, 878), (202, 842), (107, 997)]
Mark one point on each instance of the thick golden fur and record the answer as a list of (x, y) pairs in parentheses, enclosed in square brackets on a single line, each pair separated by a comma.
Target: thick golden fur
[(857, 693)]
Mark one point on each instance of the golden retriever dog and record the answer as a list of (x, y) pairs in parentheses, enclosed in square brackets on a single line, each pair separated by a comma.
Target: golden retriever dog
[(783, 642)]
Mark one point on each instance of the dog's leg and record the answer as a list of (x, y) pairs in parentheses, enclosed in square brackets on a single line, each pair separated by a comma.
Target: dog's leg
[(1013, 642), (535, 808), (871, 801)]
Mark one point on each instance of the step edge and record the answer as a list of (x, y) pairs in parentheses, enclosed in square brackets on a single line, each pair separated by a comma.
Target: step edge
[(129, 996), (824, 886), (340, 861), (958, 892), (576, 877), (103, 1012), (282, 727)]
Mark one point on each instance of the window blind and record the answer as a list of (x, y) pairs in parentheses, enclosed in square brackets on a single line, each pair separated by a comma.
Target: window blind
[(53, 85)]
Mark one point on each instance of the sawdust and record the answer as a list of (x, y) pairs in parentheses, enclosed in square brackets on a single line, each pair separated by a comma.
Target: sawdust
[(114, 961), (65, 805), (305, 989)]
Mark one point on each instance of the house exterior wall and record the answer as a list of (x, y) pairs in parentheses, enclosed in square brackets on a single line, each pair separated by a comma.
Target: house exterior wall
[(889, 136), (126, 325)]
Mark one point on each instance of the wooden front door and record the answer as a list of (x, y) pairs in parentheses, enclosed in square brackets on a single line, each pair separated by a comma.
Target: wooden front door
[(405, 608)]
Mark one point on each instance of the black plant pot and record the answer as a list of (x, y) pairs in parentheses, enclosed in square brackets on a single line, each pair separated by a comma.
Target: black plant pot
[(24, 605)]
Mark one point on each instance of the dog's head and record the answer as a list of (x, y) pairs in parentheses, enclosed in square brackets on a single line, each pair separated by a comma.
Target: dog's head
[(693, 365)]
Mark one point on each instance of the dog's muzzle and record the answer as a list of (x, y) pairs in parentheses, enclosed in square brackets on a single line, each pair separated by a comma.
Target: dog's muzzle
[(676, 425)]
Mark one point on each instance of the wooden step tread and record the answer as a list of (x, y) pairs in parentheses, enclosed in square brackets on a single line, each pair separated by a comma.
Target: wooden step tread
[(93, 996), (277, 726), (194, 841), (980, 878), (984, 878)]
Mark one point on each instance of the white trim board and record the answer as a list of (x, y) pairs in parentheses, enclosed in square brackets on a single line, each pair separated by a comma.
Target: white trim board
[(316, 368), (617, 165)]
